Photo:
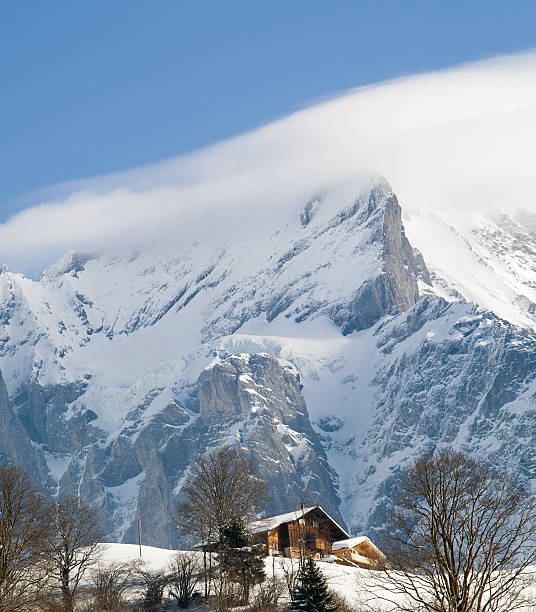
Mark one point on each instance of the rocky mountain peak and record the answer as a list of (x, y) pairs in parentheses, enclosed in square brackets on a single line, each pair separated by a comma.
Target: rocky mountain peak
[(395, 288), (306, 343)]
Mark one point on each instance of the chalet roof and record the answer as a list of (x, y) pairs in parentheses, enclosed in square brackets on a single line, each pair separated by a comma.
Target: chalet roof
[(271, 522), (351, 542)]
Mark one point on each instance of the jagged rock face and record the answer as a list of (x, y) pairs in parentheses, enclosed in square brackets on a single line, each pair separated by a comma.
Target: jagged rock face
[(42, 410), (309, 345), (368, 232), (395, 289), (252, 401), (261, 400), (350, 262), (449, 374), (15, 443), (403, 264)]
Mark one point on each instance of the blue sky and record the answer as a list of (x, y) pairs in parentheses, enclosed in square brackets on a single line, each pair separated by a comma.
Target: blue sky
[(95, 87)]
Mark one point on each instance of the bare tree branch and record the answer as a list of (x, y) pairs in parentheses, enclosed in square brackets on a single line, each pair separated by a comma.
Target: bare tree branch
[(24, 536), (462, 538), (221, 489), (184, 574), (74, 547)]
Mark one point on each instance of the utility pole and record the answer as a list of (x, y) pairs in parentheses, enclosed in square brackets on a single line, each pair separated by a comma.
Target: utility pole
[(301, 524), (139, 534)]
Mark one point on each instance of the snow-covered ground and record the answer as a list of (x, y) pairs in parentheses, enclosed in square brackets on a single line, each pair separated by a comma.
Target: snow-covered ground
[(363, 589), (342, 579), (155, 558)]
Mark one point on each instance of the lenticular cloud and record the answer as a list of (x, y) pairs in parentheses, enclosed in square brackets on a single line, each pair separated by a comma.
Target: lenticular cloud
[(458, 138)]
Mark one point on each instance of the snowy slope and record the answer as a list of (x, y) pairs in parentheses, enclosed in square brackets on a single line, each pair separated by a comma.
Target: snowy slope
[(344, 580), (197, 292), (485, 257), (131, 323)]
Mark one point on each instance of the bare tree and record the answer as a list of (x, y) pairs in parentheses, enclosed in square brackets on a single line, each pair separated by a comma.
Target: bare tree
[(290, 569), (463, 536), (24, 533), (152, 583), (74, 548), (342, 604), (221, 488), (108, 585), (189, 522), (184, 574), (268, 594)]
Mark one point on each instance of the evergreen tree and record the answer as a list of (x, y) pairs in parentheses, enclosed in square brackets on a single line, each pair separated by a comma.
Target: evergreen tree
[(243, 563), (312, 594)]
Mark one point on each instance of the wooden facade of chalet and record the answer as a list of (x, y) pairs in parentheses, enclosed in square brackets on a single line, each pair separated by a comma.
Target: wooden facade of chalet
[(309, 531)]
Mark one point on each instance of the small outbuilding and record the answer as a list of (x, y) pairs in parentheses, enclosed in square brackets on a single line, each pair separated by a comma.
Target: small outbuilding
[(360, 551)]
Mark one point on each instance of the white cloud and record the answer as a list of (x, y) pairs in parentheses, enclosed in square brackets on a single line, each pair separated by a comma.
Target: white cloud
[(456, 138)]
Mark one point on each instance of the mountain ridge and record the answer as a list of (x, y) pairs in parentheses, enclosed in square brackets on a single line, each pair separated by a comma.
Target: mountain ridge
[(120, 369)]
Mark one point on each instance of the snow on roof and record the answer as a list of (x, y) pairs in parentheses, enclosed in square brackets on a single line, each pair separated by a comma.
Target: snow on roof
[(351, 542), (272, 522)]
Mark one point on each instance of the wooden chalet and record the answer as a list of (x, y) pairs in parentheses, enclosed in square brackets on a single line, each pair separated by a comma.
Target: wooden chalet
[(359, 551), (309, 531)]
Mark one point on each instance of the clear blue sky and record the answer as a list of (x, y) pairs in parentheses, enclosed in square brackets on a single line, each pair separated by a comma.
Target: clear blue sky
[(95, 86)]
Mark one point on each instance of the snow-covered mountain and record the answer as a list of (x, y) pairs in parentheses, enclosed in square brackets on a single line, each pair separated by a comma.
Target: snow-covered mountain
[(324, 342)]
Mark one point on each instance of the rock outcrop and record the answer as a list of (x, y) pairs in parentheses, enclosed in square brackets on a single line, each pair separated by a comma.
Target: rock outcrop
[(395, 288), (251, 401), (16, 445)]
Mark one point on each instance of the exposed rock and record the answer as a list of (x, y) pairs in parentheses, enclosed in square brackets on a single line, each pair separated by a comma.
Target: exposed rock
[(16, 445), (452, 375), (395, 289), (42, 410), (252, 401), (260, 401)]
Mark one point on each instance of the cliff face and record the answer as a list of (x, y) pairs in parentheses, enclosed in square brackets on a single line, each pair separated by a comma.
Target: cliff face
[(253, 401), (395, 288), (445, 374), (260, 399), (15, 442)]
